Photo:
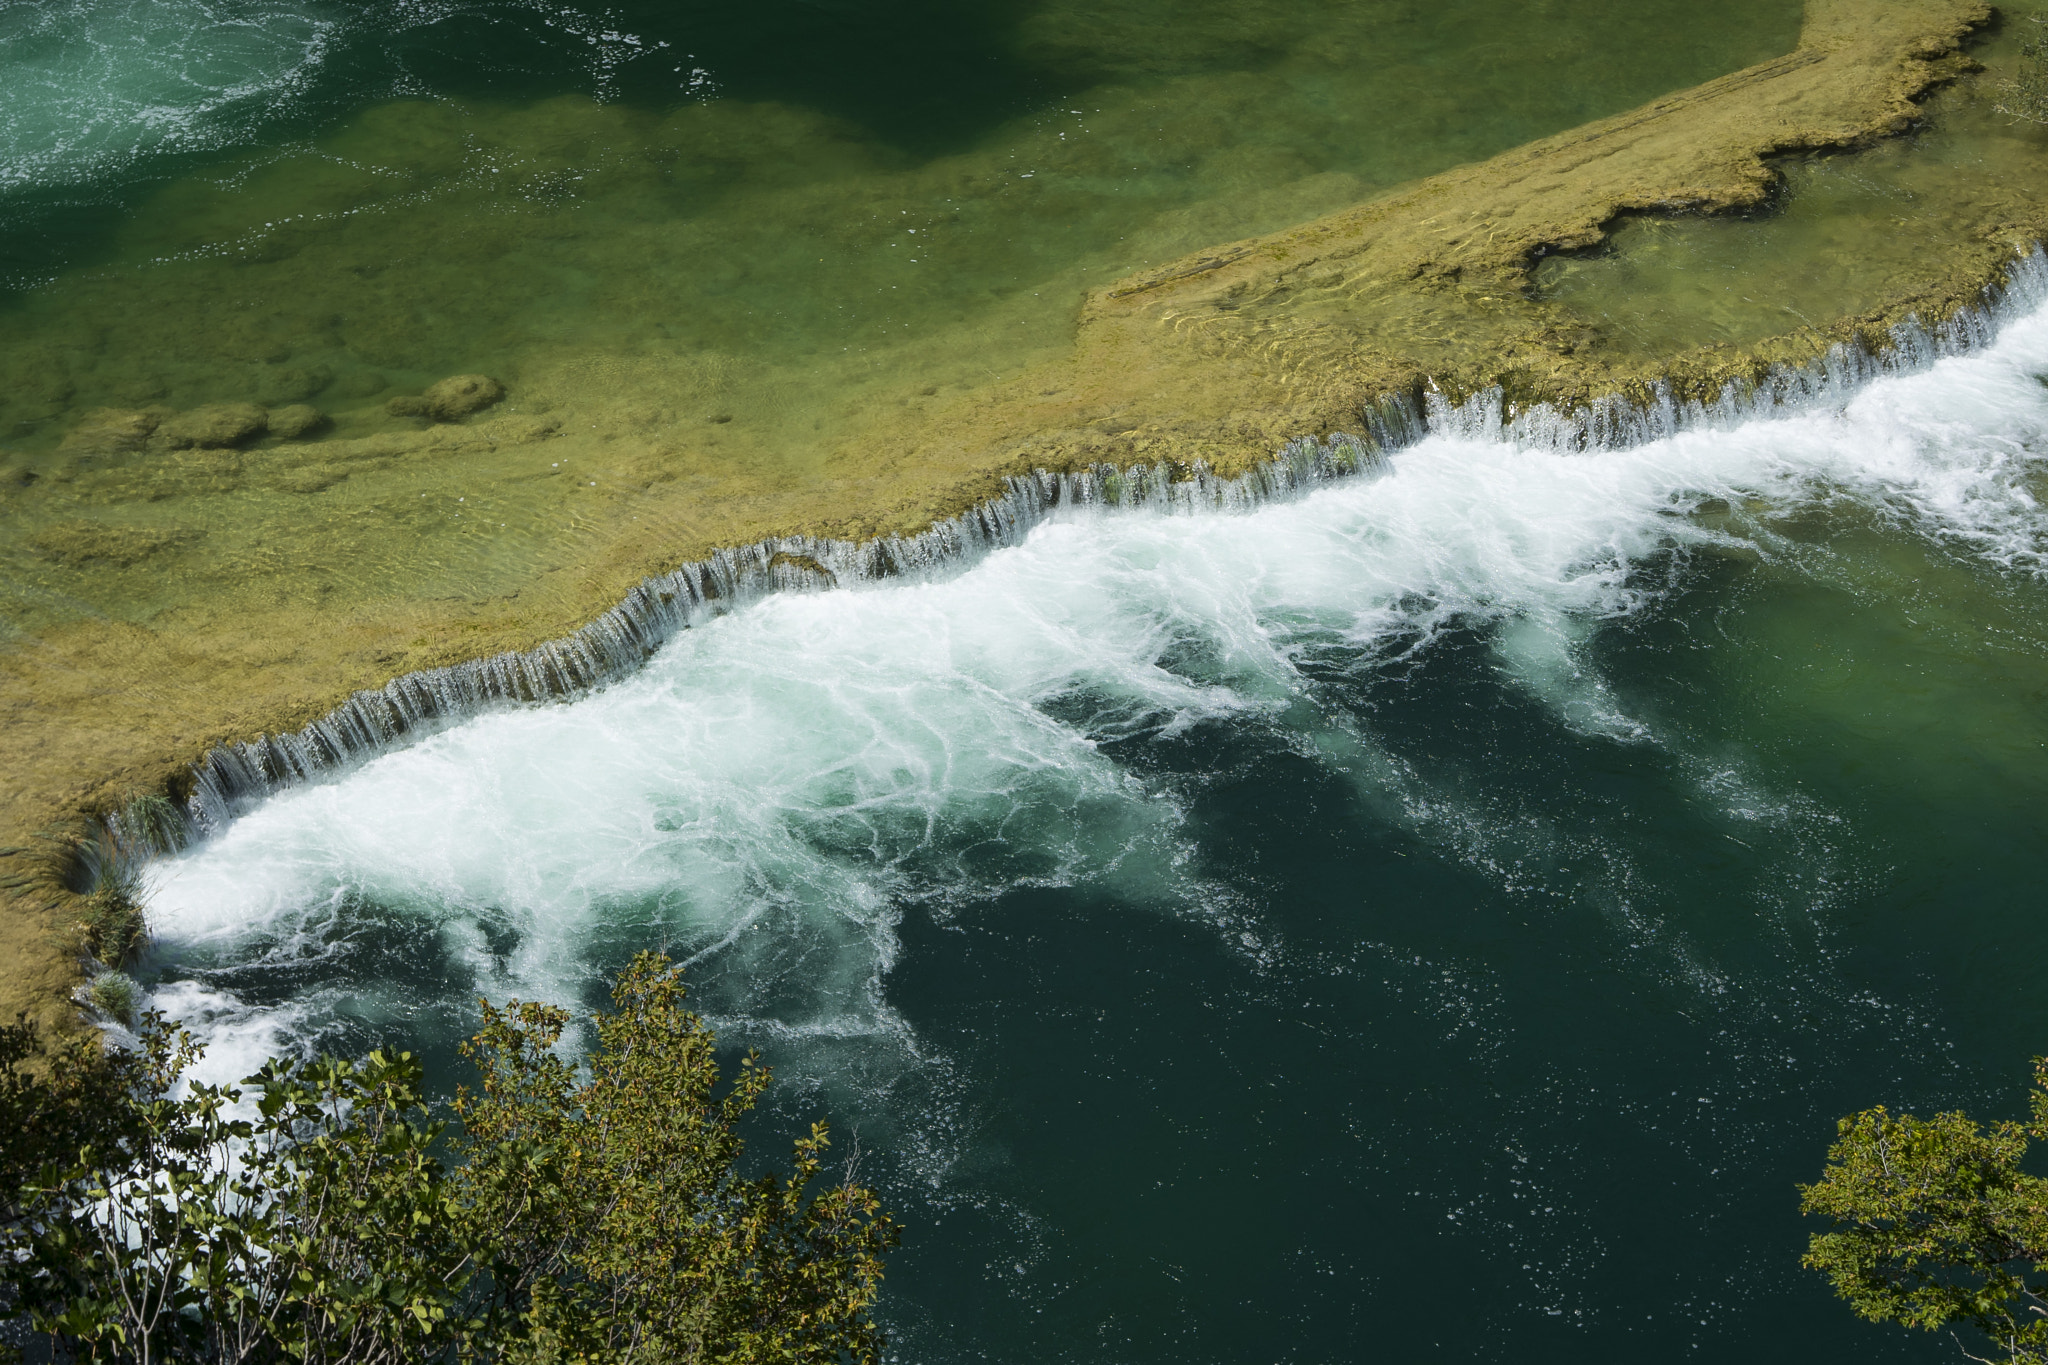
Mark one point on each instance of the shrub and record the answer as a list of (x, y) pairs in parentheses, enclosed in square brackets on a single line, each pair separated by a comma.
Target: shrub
[(602, 1219), (636, 1235), (56, 1100), (1936, 1225)]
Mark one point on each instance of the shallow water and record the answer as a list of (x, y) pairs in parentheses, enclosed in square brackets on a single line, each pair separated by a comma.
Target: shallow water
[(806, 207), (1847, 234), (1230, 933), (735, 256)]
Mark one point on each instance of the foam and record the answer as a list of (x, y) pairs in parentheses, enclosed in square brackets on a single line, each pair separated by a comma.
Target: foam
[(87, 89), (617, 642)]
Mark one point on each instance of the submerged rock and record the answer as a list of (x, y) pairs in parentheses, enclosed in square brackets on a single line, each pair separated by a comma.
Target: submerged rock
[(110, 431), (215, 425), (296, 422), (450, 399)]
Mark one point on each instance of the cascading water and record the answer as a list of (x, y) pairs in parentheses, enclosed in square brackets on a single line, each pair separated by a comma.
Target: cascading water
[(622, 638), (1227, 927)]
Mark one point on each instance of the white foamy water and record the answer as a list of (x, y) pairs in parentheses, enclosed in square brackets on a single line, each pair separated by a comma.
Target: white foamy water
[(93, 89), (774, 785), (88, 87)]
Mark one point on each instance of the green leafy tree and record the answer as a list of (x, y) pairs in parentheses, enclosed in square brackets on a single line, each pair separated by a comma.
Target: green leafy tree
[(1936, 1225), (639, 1237), (601, 1218), (318, 1230), (55, 1100)]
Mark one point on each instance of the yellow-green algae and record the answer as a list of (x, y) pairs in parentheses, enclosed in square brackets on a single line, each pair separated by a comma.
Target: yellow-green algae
[(256, 586), (1847, 236)]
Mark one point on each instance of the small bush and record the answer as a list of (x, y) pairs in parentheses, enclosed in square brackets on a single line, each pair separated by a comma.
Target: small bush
[(57, 1099)]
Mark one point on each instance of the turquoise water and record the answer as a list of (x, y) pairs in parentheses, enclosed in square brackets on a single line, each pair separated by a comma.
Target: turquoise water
[(1437, 917)]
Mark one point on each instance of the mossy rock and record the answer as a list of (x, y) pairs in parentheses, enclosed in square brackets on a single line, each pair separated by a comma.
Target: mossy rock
[(111, 431), (292, 384), (215, 426), (297, 422), (450, 399), (312, 478)]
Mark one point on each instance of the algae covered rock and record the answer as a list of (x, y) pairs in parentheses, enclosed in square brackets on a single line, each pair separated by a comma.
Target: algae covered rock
[(215, 426), (452, 398), (110, 431), (296, 422)]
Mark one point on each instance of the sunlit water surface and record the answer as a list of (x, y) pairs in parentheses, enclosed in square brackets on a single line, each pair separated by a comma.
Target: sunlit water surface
[(1438, 917)]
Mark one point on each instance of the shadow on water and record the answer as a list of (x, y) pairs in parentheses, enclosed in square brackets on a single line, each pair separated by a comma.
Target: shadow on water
[(927, 76)]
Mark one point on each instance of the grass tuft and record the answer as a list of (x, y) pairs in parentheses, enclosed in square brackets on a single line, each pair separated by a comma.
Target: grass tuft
[(151, 826), (114, 926), (115, 995)]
